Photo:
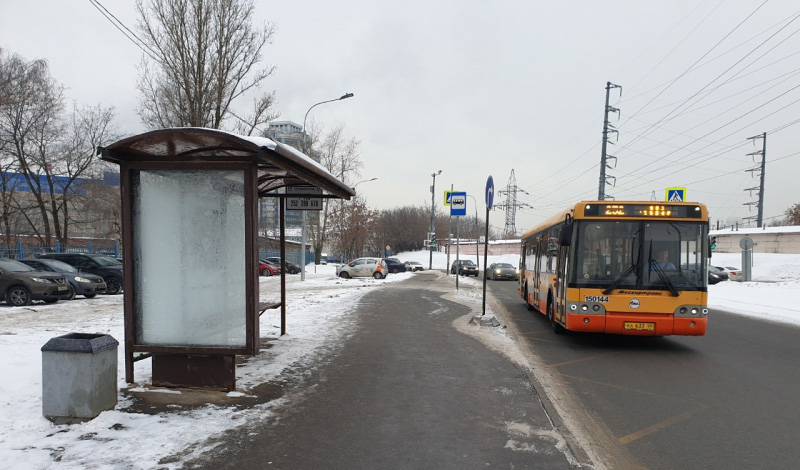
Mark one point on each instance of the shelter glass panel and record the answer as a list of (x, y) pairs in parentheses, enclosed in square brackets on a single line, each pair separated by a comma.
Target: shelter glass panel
[(189, 252)]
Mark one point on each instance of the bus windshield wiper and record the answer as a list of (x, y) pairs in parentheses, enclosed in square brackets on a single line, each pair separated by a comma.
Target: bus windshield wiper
[(661, 274), (621, 278)]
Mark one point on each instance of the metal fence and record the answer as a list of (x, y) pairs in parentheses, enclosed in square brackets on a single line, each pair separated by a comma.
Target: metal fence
[(31, 250), (113, 249)]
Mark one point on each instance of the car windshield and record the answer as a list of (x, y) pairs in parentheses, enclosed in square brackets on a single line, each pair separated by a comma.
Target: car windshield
[(658, 255), (503, 266), (106, 261), (13, 266), (60, 266), (467, 262)]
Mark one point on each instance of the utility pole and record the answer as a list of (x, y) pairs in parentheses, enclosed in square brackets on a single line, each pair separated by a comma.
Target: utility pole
[(760, 203), (601, 193)]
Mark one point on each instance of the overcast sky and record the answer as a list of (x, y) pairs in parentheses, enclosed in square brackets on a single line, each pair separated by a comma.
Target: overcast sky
[(479, 88)]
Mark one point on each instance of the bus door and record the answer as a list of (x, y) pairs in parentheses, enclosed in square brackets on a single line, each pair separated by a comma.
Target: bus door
[(537, 270), (562, 274)]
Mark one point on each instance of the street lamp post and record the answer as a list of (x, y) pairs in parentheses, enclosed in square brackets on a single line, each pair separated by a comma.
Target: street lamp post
[(433, 215), (303, 223), (353, 203), (477, 258)]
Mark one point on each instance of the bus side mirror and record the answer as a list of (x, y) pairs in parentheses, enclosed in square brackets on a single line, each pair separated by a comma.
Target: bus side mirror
[(565, 237)]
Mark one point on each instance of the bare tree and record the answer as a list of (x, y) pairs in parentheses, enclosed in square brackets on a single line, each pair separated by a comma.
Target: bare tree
[(793, 214), (202, 56), (340, 156), (50, 150)]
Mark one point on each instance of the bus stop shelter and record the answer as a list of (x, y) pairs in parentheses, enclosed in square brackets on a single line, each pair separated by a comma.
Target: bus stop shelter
[(190, 248)]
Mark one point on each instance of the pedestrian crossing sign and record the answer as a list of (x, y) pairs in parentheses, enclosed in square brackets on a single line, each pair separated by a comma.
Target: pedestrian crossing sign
[(676, 194), (447, 196)]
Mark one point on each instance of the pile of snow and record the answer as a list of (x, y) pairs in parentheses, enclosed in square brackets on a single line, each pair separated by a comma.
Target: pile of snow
[(319, 318)]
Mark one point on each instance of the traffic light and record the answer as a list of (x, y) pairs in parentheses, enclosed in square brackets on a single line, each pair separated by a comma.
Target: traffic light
[(713, 242), (433, 239)]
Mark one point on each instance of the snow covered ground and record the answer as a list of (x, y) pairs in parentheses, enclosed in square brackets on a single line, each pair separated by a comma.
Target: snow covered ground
[(319, 316)]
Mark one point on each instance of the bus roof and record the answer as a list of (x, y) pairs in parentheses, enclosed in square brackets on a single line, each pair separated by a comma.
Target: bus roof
[(578, 211)]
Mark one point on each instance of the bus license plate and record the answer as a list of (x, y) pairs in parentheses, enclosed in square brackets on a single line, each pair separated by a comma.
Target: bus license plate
[(639, 326)]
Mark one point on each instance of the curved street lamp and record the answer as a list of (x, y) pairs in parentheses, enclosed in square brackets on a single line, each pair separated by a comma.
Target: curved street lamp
[(433, 215), (303, 225), (343, 97)]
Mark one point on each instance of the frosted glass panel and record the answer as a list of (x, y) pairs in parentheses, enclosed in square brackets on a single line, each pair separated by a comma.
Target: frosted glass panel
[(189, 254)]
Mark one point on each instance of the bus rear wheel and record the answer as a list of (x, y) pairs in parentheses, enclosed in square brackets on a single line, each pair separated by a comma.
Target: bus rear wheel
[(527, 301), (557, 329)]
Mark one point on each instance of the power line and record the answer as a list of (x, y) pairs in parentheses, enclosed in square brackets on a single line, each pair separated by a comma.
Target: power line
[(124, 29)]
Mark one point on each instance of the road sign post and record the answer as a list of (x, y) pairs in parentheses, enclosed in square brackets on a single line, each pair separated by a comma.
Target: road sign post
[(489, 194)]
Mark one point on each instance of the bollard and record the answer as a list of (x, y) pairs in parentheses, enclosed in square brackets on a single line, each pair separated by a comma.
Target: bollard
[(79, 377)]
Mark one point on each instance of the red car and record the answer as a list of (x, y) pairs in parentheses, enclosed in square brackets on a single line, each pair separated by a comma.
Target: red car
[(267, 269)]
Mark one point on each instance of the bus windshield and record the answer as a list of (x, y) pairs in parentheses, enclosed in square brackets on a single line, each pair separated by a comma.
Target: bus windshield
[(654, 255)]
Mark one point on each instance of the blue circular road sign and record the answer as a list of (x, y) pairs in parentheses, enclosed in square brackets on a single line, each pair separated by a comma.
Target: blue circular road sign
[(489, 192)]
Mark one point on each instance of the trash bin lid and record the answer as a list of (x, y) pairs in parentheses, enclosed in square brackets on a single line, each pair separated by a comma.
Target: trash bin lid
[(81, 343)]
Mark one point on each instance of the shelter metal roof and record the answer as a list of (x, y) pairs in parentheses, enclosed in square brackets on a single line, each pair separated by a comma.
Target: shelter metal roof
[(279, 165)]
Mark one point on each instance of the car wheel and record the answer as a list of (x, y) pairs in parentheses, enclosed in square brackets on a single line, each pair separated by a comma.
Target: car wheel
[(70, 293), (113, 285), (90, 296), (266, 272), (344, 275), (377, 275), (18, 296)]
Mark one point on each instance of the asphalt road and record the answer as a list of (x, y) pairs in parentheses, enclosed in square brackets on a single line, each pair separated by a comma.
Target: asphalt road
[(406, 390), (726, 400)]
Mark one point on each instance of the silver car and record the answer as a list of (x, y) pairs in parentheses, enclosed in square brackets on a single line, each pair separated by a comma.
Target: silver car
[(498, 271), (363, 267)]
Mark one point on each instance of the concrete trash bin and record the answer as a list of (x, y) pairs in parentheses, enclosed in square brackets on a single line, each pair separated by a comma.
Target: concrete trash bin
[(79, 377)]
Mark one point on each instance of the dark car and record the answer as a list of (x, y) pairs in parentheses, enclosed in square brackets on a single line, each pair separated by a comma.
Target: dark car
[(87, 285), (716, 274), (266, 268), (499, 271), (395, 265), (291, 268), (20, 284), (92, 263), (464, 267)]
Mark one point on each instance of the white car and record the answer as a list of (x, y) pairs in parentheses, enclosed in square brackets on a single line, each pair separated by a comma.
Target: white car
[(363, 267), (412, 266)]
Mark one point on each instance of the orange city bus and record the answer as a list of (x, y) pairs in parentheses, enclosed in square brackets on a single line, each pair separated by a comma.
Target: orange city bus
[(632, 268)]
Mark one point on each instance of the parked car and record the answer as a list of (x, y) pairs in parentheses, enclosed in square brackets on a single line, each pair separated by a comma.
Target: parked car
[(464, 267), (92, 263), (20, 284), (266, 268), (499, 271), (291, 268), (734, 274), (87, 285), (395, 265), (414, 266), (363, 267)]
